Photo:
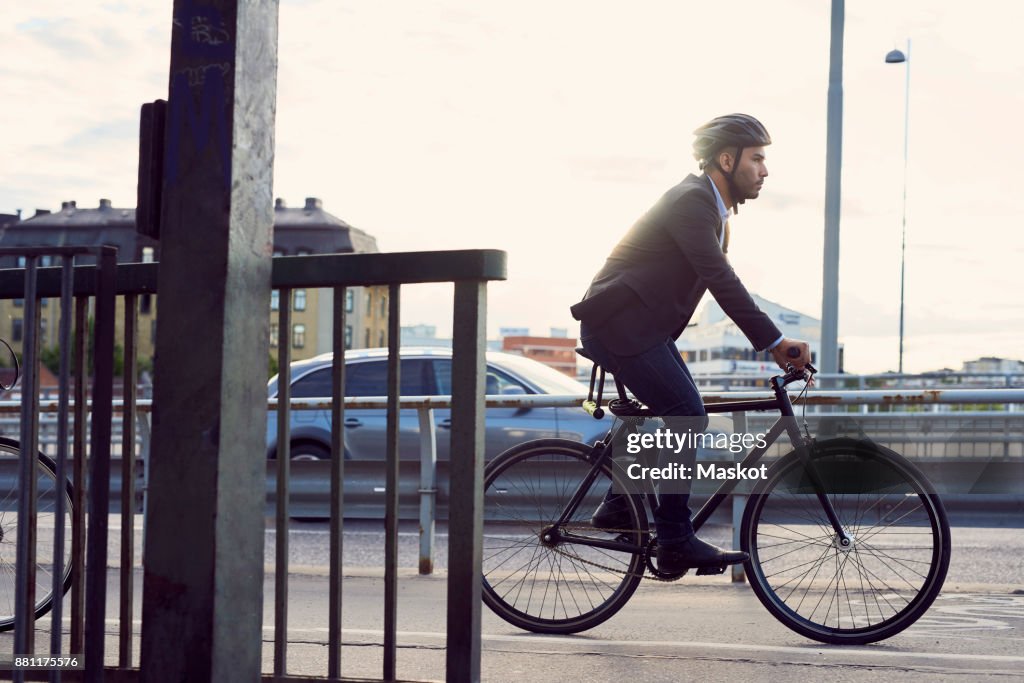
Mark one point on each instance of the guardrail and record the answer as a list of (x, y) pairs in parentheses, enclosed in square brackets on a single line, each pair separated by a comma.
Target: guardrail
[(425, 484)]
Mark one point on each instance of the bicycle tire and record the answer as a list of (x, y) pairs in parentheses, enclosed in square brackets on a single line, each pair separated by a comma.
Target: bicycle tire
[(46, 486), (525, 490), (884, 582)]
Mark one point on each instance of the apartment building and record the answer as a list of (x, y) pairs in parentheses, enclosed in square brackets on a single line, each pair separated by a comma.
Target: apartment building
[(297, 231)]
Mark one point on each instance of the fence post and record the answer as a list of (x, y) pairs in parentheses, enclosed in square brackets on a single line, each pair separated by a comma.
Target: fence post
[(739, 426), (428, 488), (203, 590), (465, 498)]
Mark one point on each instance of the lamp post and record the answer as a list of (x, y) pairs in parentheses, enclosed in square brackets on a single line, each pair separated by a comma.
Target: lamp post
[(897, 57), (833, 176)]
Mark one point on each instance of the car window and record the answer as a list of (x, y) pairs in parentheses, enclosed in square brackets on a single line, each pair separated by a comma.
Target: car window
[(496, 381), (371, 378), (313, 385)]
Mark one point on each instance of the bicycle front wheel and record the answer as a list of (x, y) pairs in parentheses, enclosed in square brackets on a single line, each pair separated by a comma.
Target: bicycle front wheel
[(561, 586), (47, 491), (874, 588)]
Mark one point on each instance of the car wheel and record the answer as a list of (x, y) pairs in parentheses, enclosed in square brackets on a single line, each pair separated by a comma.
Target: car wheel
[(309, 451), (306, 451)]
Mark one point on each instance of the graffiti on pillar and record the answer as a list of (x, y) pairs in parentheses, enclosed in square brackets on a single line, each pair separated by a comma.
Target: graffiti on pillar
[(198, 108)]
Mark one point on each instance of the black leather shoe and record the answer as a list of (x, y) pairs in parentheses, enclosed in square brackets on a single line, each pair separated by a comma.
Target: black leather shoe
[(612, 515), (695, 553)]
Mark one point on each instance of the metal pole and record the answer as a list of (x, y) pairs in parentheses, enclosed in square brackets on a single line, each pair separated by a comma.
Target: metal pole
[(833, 162), (25, 551), (466, 494), (66, 313), (129, 383), (391, 489), (428, 488), (337, 531), (903, 233), (284, 457), (99, 465), (202, 603)]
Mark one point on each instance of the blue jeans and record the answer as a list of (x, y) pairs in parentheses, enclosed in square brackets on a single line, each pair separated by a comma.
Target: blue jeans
[(659, 378)]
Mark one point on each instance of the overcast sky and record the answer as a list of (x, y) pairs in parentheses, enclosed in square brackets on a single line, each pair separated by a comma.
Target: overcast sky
[(545, 128)]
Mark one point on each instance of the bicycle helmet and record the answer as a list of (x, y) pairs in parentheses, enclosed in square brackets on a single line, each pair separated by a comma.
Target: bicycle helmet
[(731, 130)]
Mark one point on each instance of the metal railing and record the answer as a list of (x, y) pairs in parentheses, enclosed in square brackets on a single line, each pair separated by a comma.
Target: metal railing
[(425, 482), (956, 439), (75, 286), (468, 270)]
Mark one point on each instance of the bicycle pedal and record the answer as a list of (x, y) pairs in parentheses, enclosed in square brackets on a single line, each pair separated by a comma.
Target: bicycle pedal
[(710, 571)]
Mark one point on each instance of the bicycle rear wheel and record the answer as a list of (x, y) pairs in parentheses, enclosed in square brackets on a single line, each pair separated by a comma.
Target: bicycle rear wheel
[(560, 587), (878, 586), (47, 491)]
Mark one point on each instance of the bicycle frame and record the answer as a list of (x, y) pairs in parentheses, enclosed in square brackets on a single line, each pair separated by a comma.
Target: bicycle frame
[(785, 423)]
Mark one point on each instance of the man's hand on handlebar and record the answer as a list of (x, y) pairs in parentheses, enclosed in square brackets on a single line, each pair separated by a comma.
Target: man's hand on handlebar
[(792, 352)]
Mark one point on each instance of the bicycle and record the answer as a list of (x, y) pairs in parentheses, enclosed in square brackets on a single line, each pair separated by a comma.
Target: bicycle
[(47, 491), (848, 542)]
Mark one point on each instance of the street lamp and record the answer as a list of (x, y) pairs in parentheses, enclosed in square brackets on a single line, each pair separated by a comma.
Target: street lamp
[(897, 57)]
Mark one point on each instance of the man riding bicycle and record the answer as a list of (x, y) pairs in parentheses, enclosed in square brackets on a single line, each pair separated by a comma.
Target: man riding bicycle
[(644, 296)]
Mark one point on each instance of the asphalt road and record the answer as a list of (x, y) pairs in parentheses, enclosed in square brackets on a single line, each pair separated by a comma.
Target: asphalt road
[(699, 629)]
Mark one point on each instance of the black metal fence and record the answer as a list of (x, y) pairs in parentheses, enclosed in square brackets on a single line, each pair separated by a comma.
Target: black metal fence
[(93, 290)]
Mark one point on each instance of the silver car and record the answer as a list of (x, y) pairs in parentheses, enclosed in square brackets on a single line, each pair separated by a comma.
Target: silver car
[(426, 372)]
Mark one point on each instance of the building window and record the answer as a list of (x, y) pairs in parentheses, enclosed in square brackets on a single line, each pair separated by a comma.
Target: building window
[(17, 329), (152, 331), (350, 301), (146, 304), (366, 339), (348, 336), (278, 252), (384, 306), (369, 302), (275, 299), (380, 339), (18, 303), (274, 334), (299, 336), (45, 261), (147, 254), (21, 261), (42, 331), (300, 299)]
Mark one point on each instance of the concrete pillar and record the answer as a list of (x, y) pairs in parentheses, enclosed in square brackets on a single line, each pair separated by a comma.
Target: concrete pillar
[(203, 588)]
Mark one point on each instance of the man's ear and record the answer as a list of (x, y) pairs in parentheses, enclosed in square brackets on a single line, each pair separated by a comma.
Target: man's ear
[(725, 161)]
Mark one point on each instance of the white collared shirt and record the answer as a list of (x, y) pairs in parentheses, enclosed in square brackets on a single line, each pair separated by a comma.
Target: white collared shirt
[(724, 212)]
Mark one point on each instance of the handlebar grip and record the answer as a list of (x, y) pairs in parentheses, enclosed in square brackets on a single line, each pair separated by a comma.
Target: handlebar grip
[(593, 409)]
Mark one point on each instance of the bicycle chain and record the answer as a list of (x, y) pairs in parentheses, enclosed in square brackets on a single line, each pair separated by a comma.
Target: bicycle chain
[(665, 578)]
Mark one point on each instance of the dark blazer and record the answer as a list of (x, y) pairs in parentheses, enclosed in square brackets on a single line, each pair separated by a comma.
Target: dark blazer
[(649, 287)]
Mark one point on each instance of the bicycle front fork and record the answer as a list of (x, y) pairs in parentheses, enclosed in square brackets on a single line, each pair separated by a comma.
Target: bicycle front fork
[(844, 541)]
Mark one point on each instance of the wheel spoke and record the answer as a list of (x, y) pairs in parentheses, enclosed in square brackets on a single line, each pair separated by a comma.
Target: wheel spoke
[(865, 593), (570, 585)]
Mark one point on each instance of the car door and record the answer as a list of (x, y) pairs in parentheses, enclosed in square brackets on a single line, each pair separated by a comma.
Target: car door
[(366, 429), (504, 427), (312, 425)]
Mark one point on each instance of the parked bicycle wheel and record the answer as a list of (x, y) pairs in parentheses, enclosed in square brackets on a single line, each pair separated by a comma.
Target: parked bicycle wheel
[(560, 586), (869, 591), (46, 522)]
